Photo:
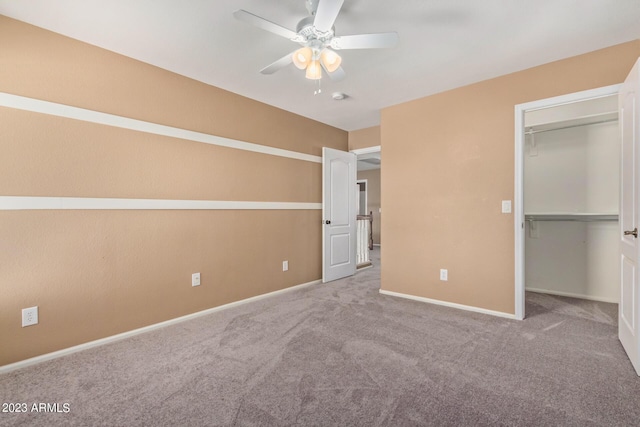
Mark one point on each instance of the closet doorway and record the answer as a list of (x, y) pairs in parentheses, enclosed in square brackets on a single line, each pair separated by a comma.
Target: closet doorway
[(567, 197)]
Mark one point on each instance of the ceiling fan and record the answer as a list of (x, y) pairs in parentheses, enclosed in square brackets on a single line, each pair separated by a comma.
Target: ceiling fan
[(316, 35)]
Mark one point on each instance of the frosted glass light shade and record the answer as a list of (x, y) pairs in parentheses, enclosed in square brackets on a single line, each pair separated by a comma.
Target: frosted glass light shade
[(314, 71), (330, 60), (302, 57)]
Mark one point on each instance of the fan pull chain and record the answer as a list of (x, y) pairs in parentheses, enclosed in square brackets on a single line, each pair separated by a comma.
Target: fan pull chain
[(319, 90)]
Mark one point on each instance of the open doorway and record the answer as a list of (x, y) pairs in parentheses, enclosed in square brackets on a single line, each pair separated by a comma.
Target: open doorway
[(370, 210), (369, 173), (566, 197)]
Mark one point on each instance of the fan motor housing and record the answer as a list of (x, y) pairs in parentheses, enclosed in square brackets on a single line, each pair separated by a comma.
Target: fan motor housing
[(306, 29)]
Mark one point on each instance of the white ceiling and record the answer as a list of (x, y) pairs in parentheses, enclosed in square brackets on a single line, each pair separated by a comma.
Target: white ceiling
[(443, 44)]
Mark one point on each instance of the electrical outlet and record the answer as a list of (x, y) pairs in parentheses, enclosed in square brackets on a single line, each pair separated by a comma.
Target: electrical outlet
[(506, 206), (444, 274), (195, 279), (29, 316), (285, 265)]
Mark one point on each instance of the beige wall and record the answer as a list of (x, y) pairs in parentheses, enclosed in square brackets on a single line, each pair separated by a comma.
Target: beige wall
[(373, 199), (449, 161), (98, 273), (364, 138)]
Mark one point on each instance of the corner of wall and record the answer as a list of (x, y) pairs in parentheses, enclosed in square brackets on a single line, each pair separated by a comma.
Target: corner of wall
[(364, 138)]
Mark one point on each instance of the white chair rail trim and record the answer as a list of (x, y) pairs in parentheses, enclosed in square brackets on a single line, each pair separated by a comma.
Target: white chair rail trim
[(13, 203), (67, 111)]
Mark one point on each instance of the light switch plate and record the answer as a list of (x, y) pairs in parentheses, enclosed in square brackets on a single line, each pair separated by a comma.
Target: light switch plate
[(506, 206), (195, 279), (285, 265), (444, 274)]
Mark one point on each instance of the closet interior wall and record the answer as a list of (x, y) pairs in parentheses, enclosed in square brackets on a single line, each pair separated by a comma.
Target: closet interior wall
[(571, 191)]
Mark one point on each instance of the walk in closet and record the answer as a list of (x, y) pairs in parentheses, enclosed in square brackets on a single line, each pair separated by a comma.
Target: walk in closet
[(571, 191)]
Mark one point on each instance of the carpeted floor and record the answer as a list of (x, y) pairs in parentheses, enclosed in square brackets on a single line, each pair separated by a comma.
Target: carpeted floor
[(342, 354)]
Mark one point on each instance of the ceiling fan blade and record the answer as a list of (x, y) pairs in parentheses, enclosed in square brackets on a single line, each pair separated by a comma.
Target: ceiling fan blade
[(280, 63), (337, 75), (250, 18), (326, 14), (365, 41)]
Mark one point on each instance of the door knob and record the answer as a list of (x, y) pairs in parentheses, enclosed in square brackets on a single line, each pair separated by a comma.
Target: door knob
[(327, 222), (634, 232)]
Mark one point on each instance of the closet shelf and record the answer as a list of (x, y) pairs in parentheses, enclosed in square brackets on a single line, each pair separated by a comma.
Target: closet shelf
[(570, 216), (572, 123)]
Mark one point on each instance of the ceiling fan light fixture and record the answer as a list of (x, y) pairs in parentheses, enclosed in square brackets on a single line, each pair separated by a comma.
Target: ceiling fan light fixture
[(302, 57), (314, 71), (315, 34), (330, 60)]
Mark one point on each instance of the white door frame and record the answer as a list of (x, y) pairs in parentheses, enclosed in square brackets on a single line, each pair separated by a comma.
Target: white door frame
[(518, 212), (367, 150)]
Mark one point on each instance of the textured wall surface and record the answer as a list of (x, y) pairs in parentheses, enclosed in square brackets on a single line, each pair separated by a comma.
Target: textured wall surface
[(96, 273), (449, 158), (364, 138)]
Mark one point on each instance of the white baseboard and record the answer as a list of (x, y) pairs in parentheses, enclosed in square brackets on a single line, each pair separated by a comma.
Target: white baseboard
[(571, 295), (376, 244), (450, 304), (107, 340)]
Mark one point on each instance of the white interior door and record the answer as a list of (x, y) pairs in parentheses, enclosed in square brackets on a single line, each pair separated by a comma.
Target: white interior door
[(339, 214), (628, 320)]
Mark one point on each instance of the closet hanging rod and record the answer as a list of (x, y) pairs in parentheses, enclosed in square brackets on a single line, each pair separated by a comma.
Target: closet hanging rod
[(570, 217), (531, 131)]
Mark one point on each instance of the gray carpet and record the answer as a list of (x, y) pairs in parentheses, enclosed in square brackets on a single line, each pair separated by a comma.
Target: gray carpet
[(342, 354)]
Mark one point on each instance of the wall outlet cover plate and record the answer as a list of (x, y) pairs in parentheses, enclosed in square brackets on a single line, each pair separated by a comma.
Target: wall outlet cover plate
[(29, 316)]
